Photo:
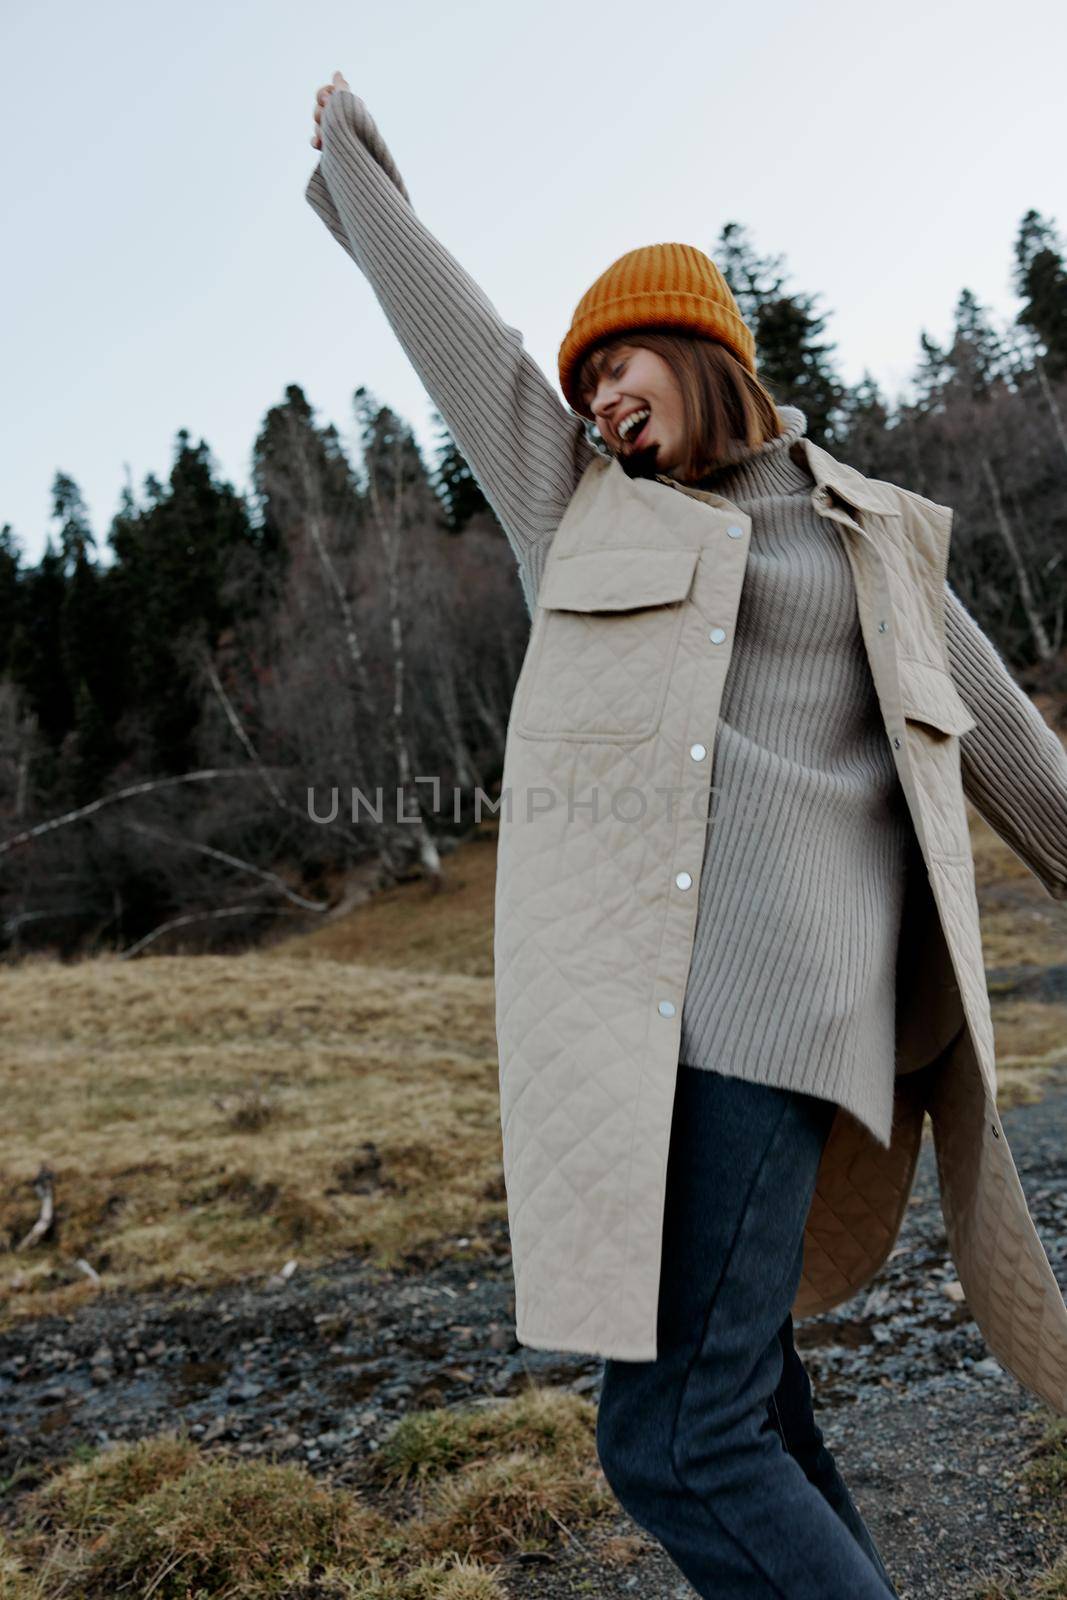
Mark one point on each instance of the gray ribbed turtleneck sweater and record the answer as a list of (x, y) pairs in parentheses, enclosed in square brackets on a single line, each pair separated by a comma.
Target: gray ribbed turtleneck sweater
[(806, 850), (792, 975)]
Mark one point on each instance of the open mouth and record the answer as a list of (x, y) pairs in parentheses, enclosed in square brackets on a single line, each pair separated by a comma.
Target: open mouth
[(631, 441)]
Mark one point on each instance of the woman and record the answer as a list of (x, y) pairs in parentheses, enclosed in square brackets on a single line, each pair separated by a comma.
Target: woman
[(788, 1014)]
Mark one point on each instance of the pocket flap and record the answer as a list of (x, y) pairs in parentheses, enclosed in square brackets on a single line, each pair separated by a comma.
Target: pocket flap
[(617, 580), (928, 694)]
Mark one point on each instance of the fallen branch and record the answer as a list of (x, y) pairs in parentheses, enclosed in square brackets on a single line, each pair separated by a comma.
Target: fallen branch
[(147, 787), (203, 916), (43, 1185), (271, 878)]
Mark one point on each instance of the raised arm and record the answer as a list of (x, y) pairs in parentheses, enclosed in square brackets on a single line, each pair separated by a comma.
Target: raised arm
[(524, 447), (1014, 766)]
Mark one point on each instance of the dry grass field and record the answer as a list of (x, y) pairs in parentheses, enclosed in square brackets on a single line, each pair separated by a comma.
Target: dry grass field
[(162, 1517), (211, 1116), (207, 1117)]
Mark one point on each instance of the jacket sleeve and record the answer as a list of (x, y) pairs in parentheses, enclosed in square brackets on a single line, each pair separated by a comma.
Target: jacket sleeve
[(526, 449), (1014, 766)]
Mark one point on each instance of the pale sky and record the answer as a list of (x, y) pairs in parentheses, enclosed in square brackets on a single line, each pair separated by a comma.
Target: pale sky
[(161, 268)]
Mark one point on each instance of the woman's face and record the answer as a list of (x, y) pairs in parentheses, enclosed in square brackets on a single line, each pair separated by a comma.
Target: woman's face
[(631, 379)]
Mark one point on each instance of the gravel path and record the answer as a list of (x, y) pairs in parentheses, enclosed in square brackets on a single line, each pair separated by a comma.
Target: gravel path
[(927, 1429)]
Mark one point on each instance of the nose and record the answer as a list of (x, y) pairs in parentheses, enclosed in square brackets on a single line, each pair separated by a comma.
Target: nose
[(602, 405)]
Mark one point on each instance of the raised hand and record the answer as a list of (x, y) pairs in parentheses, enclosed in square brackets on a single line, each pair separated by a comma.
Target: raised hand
[(321, 97)]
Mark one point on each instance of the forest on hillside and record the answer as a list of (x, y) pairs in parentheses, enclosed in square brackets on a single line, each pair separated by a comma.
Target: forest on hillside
[(172, 695)]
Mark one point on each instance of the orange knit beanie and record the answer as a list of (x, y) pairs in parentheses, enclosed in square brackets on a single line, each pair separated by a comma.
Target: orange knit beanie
[(664, 285)]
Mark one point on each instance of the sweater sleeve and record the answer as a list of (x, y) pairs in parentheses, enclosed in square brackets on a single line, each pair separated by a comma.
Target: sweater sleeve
[(1014, 766), (526, 449)]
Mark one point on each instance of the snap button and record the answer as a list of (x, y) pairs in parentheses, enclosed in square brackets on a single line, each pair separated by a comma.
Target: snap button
[(882, 626), (716, 635), (666, 1008), (896, 742), (735, 532), (683, 880), (697, 751)]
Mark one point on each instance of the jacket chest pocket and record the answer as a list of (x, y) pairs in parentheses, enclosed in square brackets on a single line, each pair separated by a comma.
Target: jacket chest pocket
[(934, 717), (602, 645)]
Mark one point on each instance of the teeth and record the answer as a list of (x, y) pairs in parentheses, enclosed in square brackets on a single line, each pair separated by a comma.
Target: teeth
[(633, 422)]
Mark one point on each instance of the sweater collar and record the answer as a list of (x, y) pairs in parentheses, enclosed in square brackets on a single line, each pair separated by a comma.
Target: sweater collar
[(792, 464), (750, 471)]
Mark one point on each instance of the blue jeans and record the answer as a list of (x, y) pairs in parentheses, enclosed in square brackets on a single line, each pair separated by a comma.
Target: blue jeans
[(712, 1448)]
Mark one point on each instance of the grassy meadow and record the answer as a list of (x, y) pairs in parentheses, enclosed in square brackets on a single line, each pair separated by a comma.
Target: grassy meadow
[(211, 1117), (163, 1517), (452, 1495)]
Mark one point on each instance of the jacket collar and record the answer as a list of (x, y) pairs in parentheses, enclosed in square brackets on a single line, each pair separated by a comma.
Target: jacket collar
[(863, 494)]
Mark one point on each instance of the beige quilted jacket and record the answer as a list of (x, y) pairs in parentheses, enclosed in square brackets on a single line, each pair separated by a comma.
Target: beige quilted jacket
[(619, 695), (606, 797)]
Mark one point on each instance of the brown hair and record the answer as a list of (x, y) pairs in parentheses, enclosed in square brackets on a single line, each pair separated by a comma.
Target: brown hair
[(721, 399)]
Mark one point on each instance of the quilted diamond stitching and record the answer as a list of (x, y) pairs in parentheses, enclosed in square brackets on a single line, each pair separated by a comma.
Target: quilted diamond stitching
[(586, 1301)]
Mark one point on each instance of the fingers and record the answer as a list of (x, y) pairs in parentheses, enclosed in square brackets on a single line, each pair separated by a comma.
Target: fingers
[(321, 96)]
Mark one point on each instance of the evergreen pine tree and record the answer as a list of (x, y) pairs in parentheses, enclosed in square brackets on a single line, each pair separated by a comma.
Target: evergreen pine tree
[(297, 467), (793, 361), (864, 404), (391, 458), (172, 561), (85, 637), (1040, 279), (36, 659), (977, 358), (69, 510), (454, 482), (932, 376), (10, 575)]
